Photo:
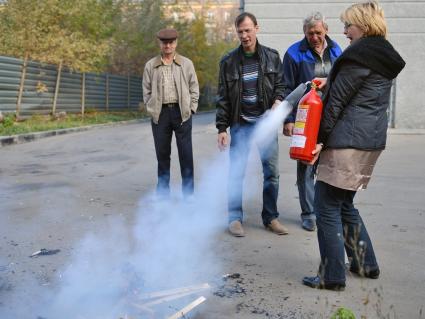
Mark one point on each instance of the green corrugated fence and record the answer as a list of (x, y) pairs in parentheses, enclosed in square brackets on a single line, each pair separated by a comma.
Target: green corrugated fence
[(101, 91)]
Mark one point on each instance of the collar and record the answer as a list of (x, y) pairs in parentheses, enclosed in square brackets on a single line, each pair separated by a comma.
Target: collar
[(158, 60), (304, 46), (324, 49), (375, 53), (257, 49)]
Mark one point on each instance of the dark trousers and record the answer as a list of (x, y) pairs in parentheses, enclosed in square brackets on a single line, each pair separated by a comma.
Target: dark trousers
[(339, 224), (305, 184), (170, 121)]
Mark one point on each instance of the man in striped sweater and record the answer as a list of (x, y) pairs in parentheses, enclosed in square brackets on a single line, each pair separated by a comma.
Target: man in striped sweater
[(250, 82)]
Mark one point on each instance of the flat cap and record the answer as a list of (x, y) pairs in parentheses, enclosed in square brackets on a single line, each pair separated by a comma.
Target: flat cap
[(167, 34)]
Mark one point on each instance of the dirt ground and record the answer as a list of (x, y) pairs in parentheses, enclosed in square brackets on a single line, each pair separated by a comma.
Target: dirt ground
[(54, 192)]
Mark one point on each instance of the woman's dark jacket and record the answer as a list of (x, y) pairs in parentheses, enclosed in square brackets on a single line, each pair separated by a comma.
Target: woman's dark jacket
[(358, 95), (270, 85)]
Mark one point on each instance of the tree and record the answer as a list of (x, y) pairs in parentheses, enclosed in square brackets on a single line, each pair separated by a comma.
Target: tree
[(75, 33), (135, 38), (72, 33), (205, 56)]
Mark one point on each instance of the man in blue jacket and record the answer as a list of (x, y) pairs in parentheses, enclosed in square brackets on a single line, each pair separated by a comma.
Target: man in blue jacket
[(305, 60)]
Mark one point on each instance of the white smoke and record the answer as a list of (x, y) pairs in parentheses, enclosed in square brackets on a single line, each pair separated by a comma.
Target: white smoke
[(172, 244), (270, 123)]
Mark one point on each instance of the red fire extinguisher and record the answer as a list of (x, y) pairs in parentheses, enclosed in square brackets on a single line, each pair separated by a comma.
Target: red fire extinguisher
[(307, 122)]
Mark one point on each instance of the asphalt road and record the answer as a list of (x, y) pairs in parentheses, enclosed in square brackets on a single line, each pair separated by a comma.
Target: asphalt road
[(88, 194)]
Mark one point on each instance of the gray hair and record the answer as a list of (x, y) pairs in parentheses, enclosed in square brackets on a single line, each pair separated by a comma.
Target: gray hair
[(312, 19)]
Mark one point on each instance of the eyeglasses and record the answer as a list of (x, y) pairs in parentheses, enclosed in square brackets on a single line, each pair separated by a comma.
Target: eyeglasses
[(347, 25)]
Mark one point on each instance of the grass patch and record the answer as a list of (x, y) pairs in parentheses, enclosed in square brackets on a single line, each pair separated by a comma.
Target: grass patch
[(343, 313), (40, 123)]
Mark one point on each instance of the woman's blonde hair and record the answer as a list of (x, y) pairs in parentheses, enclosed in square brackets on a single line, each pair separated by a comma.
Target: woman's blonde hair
[(368, 16)]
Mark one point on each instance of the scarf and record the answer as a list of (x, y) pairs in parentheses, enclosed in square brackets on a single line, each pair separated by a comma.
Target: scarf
[(375, 53)]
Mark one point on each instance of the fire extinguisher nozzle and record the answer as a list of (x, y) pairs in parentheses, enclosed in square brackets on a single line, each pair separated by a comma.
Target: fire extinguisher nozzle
[(295, 96)]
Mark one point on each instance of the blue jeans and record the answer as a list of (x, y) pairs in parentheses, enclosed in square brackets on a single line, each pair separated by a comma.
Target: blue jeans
[(269, 155), (305, 184), (170, 121), (339, 224)]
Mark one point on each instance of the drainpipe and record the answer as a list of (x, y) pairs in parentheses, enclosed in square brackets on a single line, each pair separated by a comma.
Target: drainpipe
[(242, 6)]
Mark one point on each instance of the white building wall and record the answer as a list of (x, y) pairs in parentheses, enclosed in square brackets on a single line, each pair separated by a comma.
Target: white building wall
[(280, 24)]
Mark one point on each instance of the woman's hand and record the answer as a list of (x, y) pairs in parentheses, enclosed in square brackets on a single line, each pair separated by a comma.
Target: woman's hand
[(320, 82), (316, 153)]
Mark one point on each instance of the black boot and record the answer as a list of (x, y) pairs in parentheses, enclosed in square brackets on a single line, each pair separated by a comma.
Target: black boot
[(372, 274), (316, 282)]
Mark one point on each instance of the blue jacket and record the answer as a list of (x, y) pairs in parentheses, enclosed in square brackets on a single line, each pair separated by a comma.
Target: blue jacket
[(298, 66)]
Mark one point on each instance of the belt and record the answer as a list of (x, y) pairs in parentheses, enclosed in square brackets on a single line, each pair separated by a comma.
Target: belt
[(171, 105)]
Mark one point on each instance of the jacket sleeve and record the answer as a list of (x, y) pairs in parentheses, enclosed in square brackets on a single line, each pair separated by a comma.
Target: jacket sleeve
[(193, 88), (147, 84), (223, 105), (279, 86), (290, 69), (346, 84)]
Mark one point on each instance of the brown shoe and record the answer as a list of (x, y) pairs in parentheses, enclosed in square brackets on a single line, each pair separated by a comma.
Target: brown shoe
[(276, 227), (236, 229)]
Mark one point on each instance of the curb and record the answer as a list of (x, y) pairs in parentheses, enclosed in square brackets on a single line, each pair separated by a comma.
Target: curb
[(29, 137), (406, 131)]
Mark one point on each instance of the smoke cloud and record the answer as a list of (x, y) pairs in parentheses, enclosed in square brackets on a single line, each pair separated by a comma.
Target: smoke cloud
[(171, 245)]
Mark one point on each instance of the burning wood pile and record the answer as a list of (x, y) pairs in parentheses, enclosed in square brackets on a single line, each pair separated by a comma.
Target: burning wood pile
[(146, 303)]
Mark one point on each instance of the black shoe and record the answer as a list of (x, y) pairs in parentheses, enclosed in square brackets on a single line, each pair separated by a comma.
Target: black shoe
[(316, 282), (372, 274), (309, 224)]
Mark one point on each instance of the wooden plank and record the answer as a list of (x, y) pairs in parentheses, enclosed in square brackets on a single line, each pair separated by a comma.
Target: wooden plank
[(83, 93), (21, 85), (169, 298), (181, 313), (164, 293), (58, 81)]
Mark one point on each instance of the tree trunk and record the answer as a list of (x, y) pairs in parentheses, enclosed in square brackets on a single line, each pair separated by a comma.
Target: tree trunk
[(21, 85), (58, 80)]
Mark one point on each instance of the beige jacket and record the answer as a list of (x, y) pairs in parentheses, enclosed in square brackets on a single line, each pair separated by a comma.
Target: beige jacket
[(186, 84)]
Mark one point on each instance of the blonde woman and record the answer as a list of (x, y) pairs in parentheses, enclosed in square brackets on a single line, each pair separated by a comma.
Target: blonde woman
[(352, 136)]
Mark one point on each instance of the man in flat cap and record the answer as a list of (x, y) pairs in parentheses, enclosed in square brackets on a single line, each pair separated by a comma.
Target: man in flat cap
[(170, 93)]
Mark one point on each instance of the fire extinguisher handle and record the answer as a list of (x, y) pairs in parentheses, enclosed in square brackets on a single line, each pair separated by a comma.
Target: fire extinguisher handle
[(317, 82)]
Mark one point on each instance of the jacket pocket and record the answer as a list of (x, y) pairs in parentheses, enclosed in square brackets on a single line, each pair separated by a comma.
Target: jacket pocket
[(232, 77), (232, 83), (269, 78)]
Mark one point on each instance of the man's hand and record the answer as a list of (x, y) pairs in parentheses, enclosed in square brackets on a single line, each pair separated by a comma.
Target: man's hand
[(288, 128), (222, 141), (275, 104), (316, 153)]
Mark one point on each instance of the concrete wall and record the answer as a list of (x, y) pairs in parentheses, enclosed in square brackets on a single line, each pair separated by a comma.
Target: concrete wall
[(280, 24)]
